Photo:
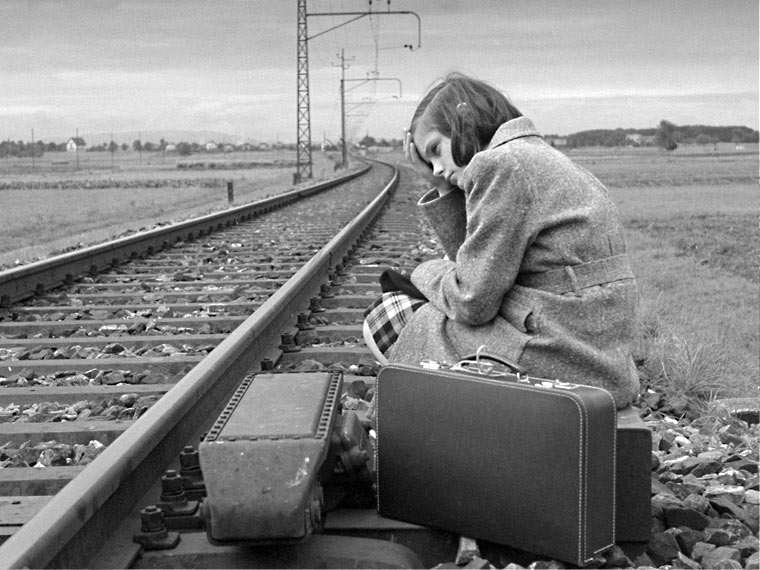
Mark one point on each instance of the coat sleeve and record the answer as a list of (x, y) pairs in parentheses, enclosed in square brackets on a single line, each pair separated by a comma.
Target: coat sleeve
[(447, 217), (499, 230)]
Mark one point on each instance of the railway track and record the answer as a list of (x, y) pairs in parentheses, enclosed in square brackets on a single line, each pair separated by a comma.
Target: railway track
[(117, 359)]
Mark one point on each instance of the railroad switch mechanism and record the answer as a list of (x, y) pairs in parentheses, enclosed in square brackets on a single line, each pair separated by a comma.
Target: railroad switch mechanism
[(265, 459), (153, 533), (192, 476), (179, 510)]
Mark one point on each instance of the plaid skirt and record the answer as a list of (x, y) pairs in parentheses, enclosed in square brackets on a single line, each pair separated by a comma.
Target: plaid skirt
[(385, 318)]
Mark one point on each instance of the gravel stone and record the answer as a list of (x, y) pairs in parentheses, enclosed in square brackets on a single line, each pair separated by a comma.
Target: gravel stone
[(722, 553), (752, 497), (662, 548), (687, 538), (687, 562), (617, 558), (727, 565), (705, 467), (701, 549), (718, 537), (697, 502), (690, 518)]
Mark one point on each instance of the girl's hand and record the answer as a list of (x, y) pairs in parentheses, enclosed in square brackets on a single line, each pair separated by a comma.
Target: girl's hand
[(423, 168)]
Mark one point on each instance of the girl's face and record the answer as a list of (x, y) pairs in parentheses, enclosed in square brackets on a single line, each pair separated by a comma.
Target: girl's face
[(435, 149)]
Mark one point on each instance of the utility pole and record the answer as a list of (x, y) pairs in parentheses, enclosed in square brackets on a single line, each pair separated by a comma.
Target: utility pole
[(344, 158), (303, 152), (76, 147), (303, 148), (33, 150), (343, 151)]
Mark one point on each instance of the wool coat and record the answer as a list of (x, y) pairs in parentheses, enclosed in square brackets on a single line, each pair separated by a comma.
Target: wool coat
[(537, 269)]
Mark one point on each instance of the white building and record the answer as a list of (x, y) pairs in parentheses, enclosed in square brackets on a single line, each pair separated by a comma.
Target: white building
[(75, 143)]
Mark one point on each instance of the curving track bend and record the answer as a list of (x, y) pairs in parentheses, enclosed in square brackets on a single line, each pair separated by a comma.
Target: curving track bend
[(115, 360)]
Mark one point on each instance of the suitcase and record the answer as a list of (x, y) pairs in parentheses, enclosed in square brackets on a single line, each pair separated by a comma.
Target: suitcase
[(488, 453), (633, 478)]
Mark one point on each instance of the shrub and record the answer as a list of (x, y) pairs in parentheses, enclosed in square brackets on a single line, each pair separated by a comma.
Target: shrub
[(688, 371)]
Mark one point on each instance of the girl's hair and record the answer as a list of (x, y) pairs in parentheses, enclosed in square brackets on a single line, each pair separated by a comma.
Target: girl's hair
[(466, 110)]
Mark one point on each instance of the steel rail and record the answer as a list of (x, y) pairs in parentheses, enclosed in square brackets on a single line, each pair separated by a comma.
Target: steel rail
[(74, 525), (35, 278)]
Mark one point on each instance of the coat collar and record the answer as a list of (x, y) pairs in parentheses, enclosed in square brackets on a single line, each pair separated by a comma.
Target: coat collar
[(514, 129)]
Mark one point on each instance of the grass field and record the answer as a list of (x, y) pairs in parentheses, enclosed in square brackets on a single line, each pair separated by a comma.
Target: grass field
[(692, 229), (57, 205), (691, 218)]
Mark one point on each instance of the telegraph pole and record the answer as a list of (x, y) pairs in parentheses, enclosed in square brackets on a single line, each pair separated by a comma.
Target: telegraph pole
[(33, 150), (303, 152), (344, 158), (343, 152)]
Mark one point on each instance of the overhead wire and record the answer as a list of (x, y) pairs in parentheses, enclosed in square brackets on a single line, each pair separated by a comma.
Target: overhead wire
[(355, 44)]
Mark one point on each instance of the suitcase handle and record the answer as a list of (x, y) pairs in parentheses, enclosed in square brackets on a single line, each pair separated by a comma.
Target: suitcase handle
[(486, 367)]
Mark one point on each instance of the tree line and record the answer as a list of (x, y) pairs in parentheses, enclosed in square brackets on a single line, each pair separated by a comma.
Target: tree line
[(666, 135), (22, 149)]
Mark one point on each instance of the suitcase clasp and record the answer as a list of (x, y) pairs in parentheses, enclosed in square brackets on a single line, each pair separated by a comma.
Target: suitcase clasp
[(433, 364), (488, 364)]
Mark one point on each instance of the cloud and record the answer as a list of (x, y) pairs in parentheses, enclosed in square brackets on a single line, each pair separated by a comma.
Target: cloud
[(185, 64), (612, 93), (13, 110)]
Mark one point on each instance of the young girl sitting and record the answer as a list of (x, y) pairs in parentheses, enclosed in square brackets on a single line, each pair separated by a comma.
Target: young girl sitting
[(536, 266)]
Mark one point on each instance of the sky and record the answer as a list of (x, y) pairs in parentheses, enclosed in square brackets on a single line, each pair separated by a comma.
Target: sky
[(230, 66)]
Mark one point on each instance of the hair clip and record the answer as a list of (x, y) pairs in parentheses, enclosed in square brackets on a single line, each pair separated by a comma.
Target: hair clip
[(461, 106)]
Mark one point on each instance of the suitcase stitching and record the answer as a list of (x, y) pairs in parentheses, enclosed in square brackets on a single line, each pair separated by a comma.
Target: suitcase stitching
[(614, 476), (583, 460)]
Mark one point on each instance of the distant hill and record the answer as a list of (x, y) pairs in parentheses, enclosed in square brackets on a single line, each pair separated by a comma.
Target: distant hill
[(172, 136), (683, 134)]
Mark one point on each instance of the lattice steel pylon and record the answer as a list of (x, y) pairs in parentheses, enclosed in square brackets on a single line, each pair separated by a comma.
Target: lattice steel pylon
[(303, 150)]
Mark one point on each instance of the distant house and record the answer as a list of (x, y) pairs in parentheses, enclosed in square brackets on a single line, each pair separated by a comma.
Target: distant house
[(557, 141), (75, 143), (170, 147), (211, 145), (635, 139)]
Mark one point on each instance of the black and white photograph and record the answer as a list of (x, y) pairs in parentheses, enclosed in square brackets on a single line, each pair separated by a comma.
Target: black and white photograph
[(380, 284)]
